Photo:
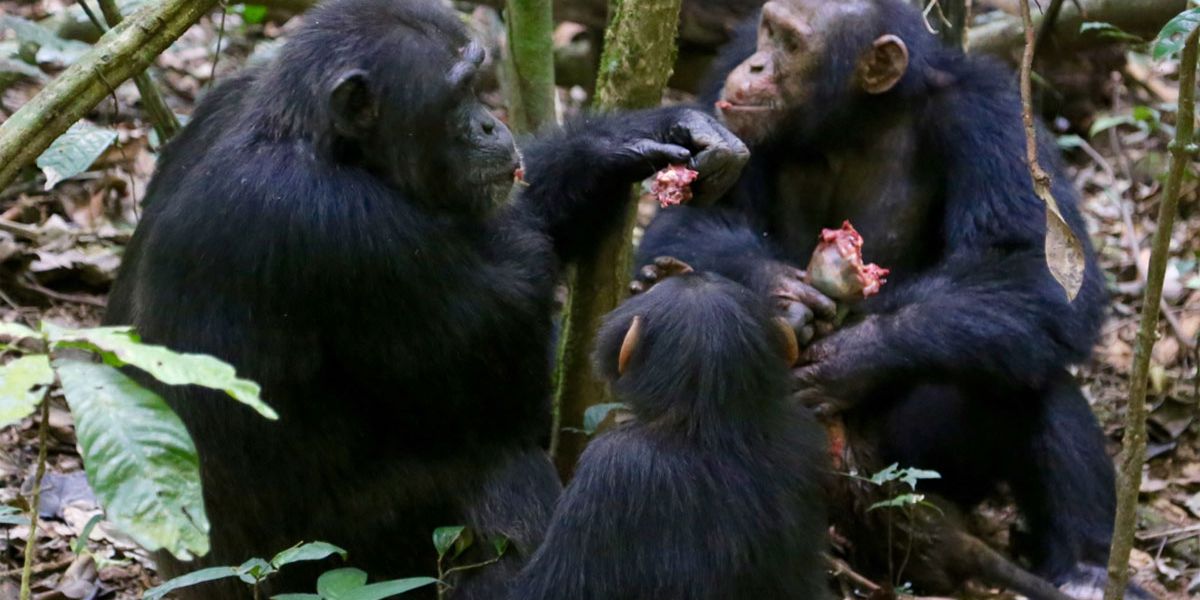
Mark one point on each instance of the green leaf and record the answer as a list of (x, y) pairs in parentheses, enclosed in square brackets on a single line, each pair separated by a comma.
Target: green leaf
[(890, 473), (296, 597), (120, 346), (1069, 141), (21, 383), (193, 578), (12, 516), (50, 47), (139, 458), (255, 570), (899, 501), (595, 415), (445, 537), (74, 151), (912, 475), (1174, 33), (333, 585), (1109, 31), (309, 551), (387, 589), (17, 331), (500, 543), (81, 542), (253, 14), (1108, 122)]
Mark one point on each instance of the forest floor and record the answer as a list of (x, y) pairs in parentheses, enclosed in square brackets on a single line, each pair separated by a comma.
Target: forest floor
[(60, 249)]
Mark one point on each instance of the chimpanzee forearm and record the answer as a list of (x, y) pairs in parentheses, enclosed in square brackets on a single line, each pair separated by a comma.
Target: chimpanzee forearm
[(991, 315), (579, 178)]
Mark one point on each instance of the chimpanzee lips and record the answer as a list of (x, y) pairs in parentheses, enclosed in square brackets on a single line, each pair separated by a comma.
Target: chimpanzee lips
[(727, 106)]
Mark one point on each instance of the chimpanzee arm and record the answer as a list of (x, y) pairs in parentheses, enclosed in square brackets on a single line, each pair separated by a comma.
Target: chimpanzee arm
[(579, 178), (1002, 317)]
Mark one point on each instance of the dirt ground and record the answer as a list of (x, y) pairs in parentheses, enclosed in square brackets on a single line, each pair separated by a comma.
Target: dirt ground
[(59, 251)]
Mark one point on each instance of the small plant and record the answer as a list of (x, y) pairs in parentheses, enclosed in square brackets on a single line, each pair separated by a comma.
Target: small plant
[(139, 459), (450, 543), (339, 584), (892, 480)]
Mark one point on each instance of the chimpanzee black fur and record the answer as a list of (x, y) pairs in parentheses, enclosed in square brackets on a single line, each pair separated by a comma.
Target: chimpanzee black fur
[(332, 225), (714, 491), (960, 363)]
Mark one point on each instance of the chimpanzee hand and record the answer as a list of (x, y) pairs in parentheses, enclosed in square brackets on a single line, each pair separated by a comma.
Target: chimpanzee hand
[(836, 371), (662, 268), (717, 154), (807, 310)]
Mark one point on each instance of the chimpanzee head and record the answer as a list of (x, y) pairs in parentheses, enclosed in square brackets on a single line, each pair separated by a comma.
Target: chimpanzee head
[(697, 348), (816, 58), (388, 86)]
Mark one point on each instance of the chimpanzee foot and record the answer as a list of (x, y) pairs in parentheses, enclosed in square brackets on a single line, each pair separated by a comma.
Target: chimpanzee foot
[(1087, 581), (662, 268)]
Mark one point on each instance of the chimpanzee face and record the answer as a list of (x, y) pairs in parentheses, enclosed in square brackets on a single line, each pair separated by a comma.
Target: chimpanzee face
[(797, 40), (425, 131)]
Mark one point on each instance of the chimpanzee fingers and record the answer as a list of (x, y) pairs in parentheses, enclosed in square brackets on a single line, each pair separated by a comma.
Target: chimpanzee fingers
[(662, 268), (798, 316), (718, 155), (793, 286), (647, 156)]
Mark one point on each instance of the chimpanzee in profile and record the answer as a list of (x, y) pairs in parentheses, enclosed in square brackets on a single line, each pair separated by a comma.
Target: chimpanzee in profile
[(333, 224), (854, 111), (714, 491)]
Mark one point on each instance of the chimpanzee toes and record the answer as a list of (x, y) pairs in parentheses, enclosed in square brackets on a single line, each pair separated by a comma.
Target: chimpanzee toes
[(662, 268)]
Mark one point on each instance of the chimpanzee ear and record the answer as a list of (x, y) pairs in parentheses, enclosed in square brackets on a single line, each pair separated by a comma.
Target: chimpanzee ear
[(632, 336), (355, 109), (791, 348), (883, 65)]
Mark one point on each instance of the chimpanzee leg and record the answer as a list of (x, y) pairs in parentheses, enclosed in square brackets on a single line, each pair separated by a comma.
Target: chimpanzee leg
[(1067, 490)]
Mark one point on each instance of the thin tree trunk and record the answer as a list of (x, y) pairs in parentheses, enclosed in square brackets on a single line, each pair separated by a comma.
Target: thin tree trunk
[(531, 59), (122, 53), (639, 52), (1133, 454)]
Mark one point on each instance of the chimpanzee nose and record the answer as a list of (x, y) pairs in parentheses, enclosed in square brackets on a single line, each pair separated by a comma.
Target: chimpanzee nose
[(489, 126), (757, 68)]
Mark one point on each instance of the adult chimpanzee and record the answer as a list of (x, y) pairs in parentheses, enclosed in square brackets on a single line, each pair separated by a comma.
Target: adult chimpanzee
[(853, 111), (715, 490), (332, 224)]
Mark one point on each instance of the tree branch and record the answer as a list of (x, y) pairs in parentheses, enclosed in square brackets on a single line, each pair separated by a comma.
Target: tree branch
[(123, 52), (1133, 454), (1139, 17)]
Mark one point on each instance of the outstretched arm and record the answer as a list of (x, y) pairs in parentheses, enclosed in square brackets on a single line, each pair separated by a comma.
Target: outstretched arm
[(578, 179)]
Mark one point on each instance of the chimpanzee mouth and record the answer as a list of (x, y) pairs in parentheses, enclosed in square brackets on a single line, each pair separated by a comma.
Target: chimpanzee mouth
[(727, 106)]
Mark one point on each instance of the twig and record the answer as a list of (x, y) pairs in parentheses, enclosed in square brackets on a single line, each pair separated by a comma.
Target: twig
[(61, 297), (1169, 532), (48, 567), (31, 543), (20, 230), (212, 76), (1133, 454), (165, 123)]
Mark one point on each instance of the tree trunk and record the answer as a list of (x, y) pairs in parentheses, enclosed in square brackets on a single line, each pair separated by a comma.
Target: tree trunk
[(123, 52), (639, 51), (531, 60)]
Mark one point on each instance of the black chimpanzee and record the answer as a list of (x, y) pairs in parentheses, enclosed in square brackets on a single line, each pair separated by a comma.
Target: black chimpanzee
[(854, 111), (715, 490), (333, 225)]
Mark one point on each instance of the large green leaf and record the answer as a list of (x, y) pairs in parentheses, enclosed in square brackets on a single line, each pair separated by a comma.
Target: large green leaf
[(120, 346), (1170, 39), (74, 151), (21, 383), (139, 458), (193, 578), (387, 589), (50, 47), (310, 551), (333, 585)]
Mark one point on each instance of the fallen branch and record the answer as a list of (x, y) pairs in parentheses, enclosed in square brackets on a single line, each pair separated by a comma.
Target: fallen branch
[(123, 52), (1138, 17)]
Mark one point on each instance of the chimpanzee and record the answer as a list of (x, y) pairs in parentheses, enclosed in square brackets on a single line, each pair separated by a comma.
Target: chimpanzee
[(715, 489), (395, 310), (854, 111)]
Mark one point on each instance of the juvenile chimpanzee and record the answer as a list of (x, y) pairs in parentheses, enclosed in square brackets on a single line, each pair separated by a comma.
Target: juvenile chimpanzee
[(333, 225), (715, 489), (854, 111)]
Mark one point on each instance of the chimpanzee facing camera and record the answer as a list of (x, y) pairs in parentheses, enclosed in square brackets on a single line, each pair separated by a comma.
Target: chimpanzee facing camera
[(715, 489)]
